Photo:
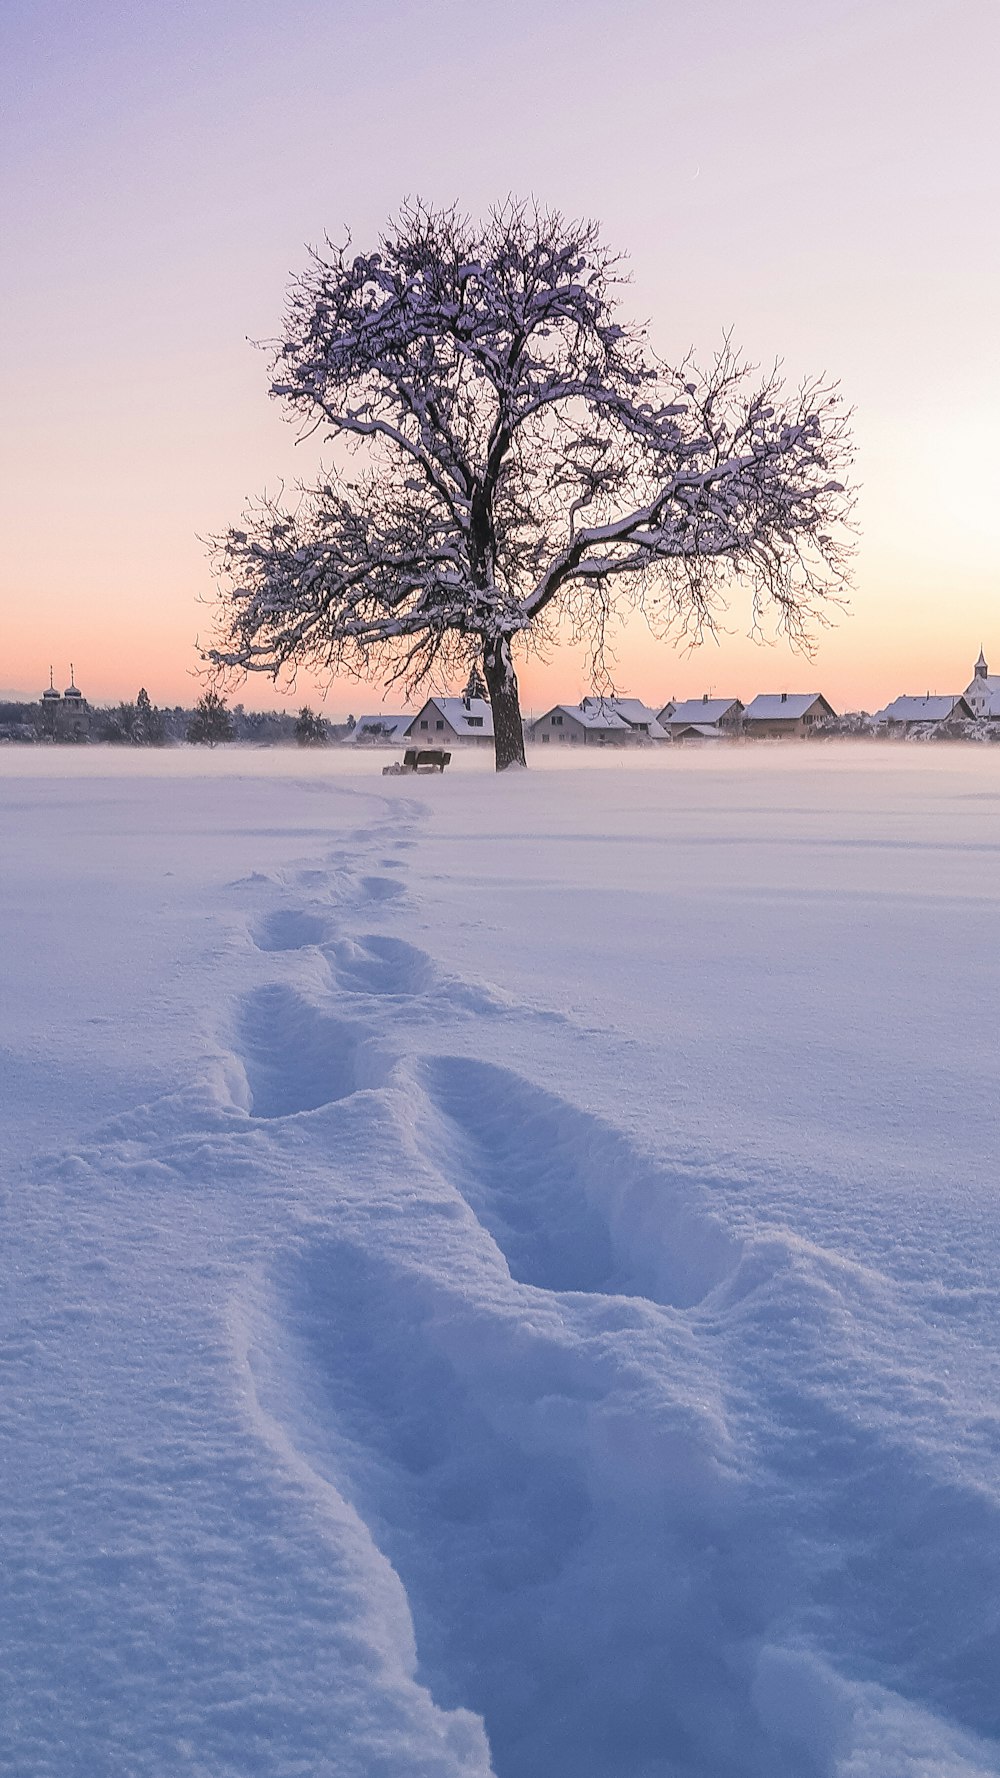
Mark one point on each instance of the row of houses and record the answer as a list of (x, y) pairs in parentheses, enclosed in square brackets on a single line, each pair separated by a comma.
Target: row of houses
[(608, 720), (614, 721), (603, 721)]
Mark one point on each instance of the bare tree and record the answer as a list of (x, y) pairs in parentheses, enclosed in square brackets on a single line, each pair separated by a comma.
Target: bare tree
[(525, 460)]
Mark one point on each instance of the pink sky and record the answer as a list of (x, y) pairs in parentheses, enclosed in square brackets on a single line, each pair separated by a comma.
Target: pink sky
[(821, 178)]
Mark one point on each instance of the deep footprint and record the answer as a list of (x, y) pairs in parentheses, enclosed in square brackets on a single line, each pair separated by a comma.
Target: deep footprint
[(568, 1200), (377, 965), (291, 929), (380, 889), (298, 1057), (463, 1443)]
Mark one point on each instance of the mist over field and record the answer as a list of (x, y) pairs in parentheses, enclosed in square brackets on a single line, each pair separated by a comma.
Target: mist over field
[(500, 1273)]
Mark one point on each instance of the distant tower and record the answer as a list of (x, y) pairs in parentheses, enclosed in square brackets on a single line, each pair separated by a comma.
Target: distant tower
[(982, 670), (72, 716), (51, 701)]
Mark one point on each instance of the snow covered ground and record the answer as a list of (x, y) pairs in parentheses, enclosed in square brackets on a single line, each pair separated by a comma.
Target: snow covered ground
[(500, 1275)]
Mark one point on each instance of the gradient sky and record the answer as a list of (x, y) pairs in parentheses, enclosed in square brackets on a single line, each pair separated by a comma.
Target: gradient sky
[(821, 177)]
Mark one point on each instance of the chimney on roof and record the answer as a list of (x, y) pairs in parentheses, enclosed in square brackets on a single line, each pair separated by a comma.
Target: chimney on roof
[(784, 697), (704, 697)]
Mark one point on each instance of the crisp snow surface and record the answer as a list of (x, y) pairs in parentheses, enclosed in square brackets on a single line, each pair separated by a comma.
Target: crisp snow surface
[(500, 1275)]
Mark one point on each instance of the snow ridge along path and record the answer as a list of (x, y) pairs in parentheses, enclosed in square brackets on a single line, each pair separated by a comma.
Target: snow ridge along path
[(430, 1424)]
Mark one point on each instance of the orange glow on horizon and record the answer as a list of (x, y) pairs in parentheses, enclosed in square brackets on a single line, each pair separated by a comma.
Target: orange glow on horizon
[(161, 187)]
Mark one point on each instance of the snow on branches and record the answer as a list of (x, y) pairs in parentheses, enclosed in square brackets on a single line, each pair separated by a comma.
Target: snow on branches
[(520, 457)]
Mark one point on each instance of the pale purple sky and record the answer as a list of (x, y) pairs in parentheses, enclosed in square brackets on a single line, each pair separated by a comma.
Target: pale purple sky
[(821, 177)]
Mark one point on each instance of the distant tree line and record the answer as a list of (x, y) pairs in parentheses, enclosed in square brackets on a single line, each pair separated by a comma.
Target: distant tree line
[(141, 723), (135, 725)]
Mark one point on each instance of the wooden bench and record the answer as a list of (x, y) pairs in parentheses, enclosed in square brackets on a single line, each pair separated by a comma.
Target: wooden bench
[(418, 759)]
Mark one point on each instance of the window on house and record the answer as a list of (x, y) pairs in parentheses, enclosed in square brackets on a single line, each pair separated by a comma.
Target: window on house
[(544, 736), (425, 725), (474, 721), (439, 725)]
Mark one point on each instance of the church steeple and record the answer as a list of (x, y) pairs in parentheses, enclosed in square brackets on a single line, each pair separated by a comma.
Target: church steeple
[(982, 670)]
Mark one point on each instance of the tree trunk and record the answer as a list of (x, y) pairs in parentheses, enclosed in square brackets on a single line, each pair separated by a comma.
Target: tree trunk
[(501, 680)]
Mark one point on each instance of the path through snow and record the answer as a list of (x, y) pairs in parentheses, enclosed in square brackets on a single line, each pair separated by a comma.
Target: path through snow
[(376, 1408)]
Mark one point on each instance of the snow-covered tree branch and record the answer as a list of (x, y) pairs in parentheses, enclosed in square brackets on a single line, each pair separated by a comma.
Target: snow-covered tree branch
[(521, 457)]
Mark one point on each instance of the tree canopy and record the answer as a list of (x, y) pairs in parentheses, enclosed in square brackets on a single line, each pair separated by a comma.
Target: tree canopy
[(311, 730), (210, 721), (521, 458)]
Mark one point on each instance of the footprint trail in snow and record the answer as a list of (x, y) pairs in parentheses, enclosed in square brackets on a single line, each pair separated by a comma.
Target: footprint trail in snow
[(499, 1411), (515, 1371)]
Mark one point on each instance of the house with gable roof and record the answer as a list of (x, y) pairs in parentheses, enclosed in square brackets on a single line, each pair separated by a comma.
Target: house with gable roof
[(445, 721), (785, 715), (910, 715), (641, 719), (599, 722), (380, 730), (702, 719)]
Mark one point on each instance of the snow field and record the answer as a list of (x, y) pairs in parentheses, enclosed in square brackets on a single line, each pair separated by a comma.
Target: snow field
[(381, 1403)]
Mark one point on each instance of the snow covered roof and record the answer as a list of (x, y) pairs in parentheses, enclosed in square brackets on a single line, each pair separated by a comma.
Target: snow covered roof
[(637, 714), (788, 705), (466, 715), (613, 715), (698, 710), (926, 709), (702, 731), (590, 714), (382, 726)]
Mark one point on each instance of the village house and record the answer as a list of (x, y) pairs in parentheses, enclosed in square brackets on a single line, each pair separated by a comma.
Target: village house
[(983, 695), (909, 715), (574, 723), (702, 719), (444, 721), (641, 719), (380, 730), (695, 733), (600, 722), (785, 715)]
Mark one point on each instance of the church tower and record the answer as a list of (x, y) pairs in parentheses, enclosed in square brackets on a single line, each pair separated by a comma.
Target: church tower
[(982, 670), (51, 701)]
